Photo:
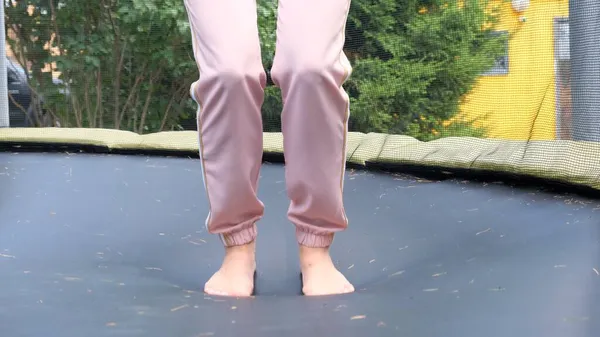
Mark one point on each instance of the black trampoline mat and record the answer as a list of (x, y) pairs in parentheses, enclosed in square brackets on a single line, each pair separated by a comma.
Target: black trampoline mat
[(113, 245)]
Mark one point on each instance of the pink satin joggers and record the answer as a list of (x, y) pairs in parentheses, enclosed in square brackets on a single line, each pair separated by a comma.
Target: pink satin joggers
[(309, 68)]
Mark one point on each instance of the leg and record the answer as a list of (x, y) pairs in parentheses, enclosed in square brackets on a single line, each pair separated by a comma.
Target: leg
[(229, 94), (310, 68)]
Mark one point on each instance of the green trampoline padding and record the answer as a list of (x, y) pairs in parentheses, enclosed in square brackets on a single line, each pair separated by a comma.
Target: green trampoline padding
[(567, 161)]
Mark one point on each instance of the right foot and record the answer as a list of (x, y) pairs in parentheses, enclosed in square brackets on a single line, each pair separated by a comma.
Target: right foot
[(236, 275)]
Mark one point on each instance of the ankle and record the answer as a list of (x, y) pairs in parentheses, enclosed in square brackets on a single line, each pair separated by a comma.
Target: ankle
[(313, 255), (307, 250)]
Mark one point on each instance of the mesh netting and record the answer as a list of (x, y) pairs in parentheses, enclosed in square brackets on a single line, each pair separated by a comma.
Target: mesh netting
[(498, 85)]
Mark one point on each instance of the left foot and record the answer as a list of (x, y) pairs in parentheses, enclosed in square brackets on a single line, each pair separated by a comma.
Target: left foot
[(236, 275), (319, 274)]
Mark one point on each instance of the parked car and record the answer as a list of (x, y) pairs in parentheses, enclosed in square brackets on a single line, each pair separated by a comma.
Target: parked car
[(22, 113)]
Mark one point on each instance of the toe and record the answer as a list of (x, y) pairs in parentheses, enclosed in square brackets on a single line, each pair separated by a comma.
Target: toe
[(212, 291)]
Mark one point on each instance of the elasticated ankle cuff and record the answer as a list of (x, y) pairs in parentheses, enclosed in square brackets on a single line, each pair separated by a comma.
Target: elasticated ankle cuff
[(242, 237), (314, 240)]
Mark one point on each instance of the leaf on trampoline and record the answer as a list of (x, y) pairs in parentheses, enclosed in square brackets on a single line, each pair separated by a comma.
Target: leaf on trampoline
[(179, 307), (576, 319), (596, 271), (351, 266), (430, 290), (111, 324), (397, 273), (497, 289), (153, 268), (483, 231), (358, 317)]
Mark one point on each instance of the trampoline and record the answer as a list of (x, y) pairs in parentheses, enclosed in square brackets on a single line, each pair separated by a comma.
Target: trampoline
[(472, 185), (98, 241)]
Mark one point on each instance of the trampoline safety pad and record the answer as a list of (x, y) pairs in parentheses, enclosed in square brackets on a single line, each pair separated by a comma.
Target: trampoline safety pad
[(552, 160)]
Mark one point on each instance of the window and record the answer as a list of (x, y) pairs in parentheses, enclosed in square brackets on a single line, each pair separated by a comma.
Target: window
[(501, 65), (562, 66)]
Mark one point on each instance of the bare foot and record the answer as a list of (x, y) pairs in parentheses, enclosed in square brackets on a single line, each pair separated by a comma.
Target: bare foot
[(319, 275), (236, 275)]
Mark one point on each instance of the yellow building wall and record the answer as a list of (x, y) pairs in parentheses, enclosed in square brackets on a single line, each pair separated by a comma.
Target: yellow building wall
[(521, 104)]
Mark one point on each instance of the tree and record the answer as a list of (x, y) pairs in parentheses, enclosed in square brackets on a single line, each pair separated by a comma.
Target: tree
[(129, 64), (125, 64), (414, 60)]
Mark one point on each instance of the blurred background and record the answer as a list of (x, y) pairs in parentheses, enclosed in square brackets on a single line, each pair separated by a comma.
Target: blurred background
[(423, 68)]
